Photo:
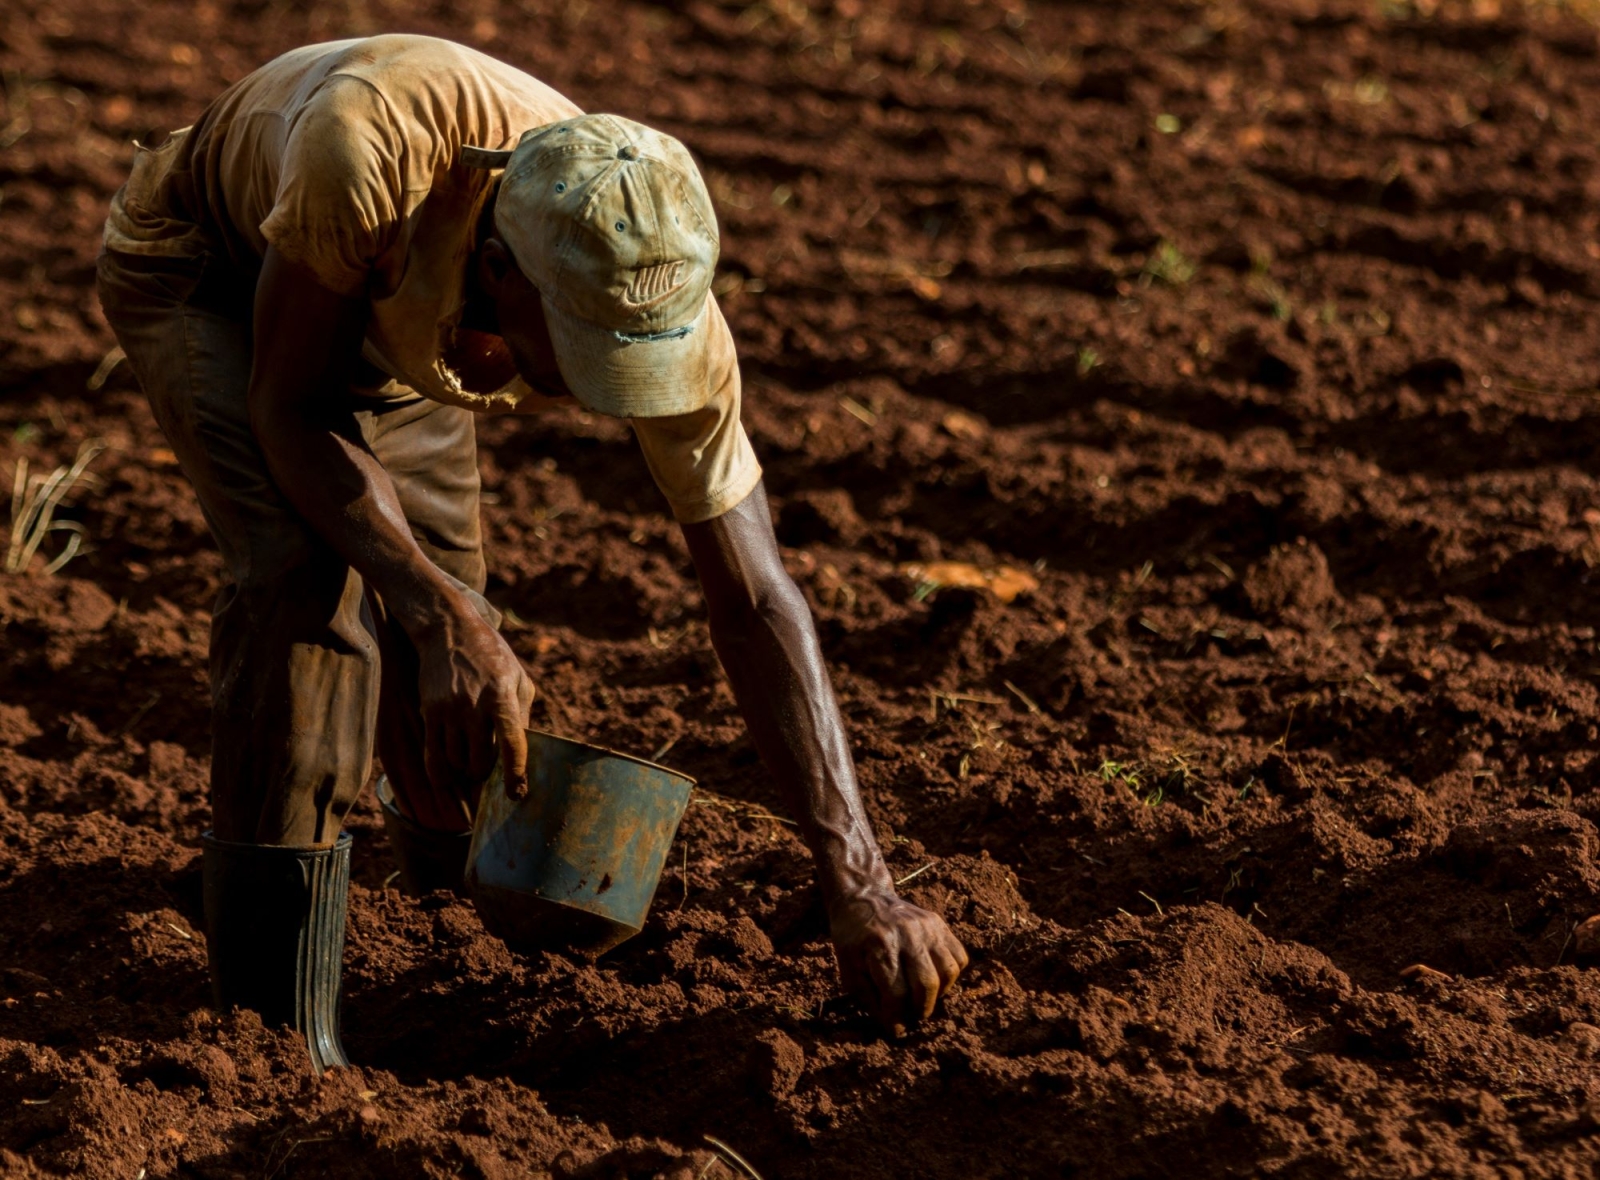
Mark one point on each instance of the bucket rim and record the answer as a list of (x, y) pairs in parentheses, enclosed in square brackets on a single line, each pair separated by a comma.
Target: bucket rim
[(678, 774)]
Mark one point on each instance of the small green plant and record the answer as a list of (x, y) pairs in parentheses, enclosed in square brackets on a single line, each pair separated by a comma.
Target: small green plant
[(1166, 774), (1168, 264), (1088, 358), (1126, 773), (1235, 878), (1177, 771), (1271, 293), (1370, 91), (1267, 289)]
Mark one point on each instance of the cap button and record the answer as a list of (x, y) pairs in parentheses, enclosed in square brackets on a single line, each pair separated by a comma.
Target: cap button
[(627, 152)]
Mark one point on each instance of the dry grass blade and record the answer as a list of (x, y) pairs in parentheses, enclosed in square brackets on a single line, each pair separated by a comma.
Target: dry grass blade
[(733, 1157), (104, 369), (293, 1147), (915, 873), (139, 714), (740, 810), (34, 500), (1028, 702), (858, 411)]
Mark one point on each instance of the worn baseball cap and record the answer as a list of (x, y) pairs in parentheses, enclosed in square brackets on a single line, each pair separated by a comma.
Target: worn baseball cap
[(612, 223)]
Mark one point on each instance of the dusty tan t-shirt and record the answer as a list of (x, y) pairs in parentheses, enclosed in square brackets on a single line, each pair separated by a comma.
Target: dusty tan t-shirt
[(346, 157)]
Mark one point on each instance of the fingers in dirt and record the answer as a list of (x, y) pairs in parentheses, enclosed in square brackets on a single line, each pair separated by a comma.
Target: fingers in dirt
[(916, 967), (947, 964), (890, 986)]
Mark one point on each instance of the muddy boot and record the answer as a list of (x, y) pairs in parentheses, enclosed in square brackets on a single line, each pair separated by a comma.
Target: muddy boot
[(427, 859), (275, 935)]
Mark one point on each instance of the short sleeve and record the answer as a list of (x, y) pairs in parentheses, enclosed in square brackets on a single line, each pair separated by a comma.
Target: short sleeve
[(339, 187), (703, 461)]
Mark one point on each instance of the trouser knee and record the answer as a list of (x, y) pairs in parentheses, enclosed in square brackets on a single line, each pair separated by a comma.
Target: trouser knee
[(294, 674)]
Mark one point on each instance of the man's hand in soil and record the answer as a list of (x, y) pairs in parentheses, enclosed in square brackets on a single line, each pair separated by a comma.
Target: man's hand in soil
[(896, 958), (474, 694)]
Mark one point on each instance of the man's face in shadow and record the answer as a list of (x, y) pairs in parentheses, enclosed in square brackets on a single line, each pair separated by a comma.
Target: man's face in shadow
[(519, 312)]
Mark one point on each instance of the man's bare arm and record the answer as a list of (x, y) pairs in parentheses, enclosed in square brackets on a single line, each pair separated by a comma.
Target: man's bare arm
[(896, 957), (475, 695)]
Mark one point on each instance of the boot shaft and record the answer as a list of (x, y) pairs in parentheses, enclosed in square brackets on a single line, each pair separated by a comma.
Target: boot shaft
[(275, 920)]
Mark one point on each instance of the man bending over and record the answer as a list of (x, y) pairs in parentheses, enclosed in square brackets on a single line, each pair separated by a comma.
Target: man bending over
[(352, 252)]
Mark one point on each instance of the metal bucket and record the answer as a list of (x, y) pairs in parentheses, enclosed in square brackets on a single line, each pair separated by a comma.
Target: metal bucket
[(575, 865)]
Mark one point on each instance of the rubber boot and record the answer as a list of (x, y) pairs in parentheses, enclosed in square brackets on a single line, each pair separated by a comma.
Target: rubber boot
[(275, 935), (427, 859)]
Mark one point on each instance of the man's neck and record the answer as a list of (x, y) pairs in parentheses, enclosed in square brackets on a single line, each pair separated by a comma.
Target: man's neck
[(478, 310)]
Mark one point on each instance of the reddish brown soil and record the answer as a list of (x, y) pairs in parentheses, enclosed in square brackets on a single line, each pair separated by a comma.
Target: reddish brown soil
[(1267, 334)]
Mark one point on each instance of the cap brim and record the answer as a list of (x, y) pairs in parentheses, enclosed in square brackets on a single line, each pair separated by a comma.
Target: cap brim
[(631, 378)]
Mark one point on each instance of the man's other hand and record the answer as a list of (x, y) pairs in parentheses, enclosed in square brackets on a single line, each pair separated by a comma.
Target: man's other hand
[(475, 699), (895, 958)]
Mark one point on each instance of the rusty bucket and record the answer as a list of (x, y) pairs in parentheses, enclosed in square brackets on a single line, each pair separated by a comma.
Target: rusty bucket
[(574, 866)]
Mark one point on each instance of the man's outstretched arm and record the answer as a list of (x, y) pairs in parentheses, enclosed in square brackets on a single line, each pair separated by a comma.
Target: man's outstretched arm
[(898, 959)]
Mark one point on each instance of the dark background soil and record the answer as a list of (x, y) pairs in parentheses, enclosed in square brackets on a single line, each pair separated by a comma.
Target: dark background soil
[(1266, 335)]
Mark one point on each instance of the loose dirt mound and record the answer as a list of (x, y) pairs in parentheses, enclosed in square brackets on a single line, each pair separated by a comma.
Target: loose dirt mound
[(1265, 336)]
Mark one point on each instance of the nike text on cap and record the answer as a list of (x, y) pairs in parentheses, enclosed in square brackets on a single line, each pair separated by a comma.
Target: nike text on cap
[(612, 223)]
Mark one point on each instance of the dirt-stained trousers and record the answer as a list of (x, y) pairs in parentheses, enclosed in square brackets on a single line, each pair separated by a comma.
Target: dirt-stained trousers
[(308, 671)]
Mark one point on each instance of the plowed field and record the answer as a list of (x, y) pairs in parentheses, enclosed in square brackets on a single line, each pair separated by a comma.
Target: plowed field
[(1265, 337)]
